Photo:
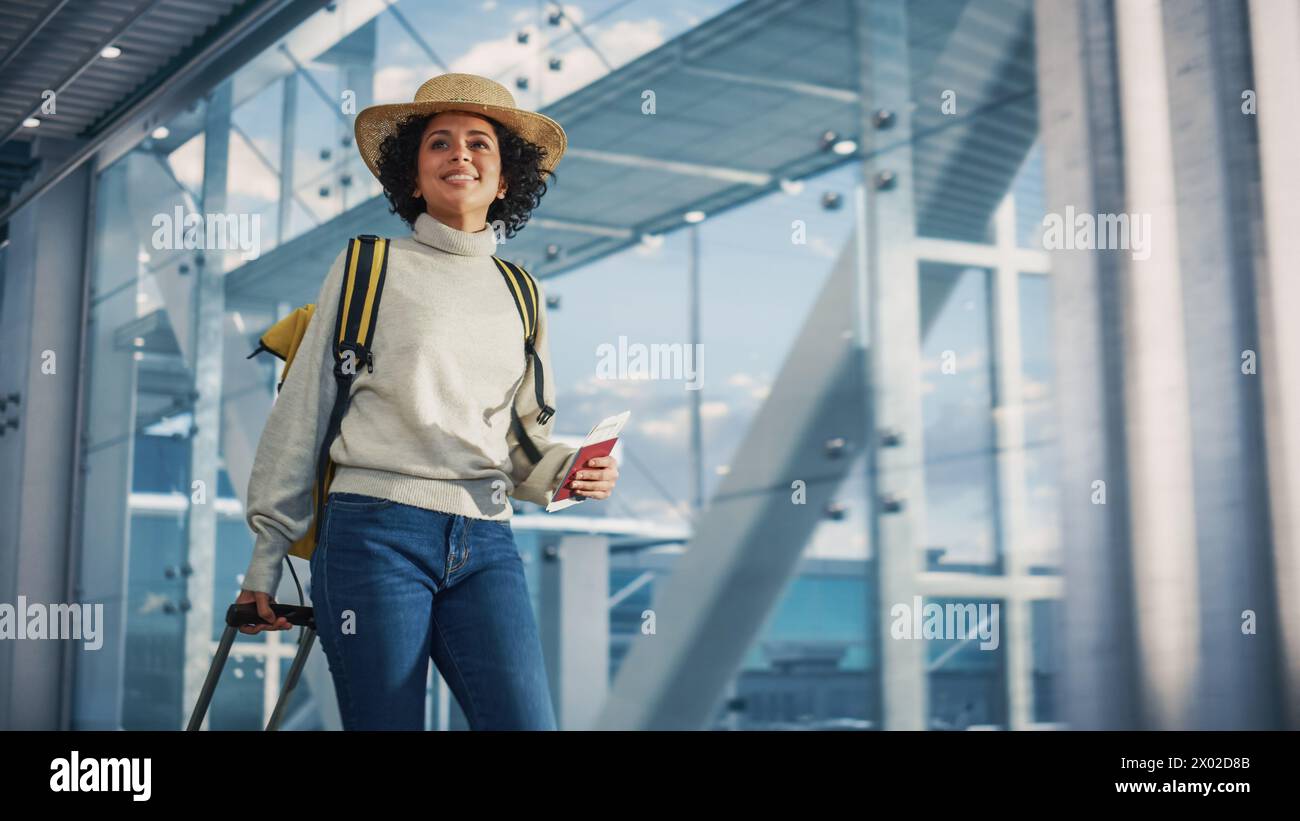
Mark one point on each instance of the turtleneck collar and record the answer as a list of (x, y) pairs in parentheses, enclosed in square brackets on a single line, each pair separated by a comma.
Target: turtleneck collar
[(434, 232)]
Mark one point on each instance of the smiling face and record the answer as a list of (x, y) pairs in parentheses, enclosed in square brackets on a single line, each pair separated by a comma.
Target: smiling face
[(459, 168)]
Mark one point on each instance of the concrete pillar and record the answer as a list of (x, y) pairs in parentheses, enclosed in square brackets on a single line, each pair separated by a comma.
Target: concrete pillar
[(41, 336), (1083, 170), (1274, 33), (575, 627)]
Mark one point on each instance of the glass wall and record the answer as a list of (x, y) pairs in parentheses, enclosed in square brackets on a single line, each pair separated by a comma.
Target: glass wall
[(273, 143)]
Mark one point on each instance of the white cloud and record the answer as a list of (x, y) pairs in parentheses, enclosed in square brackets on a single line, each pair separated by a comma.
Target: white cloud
[(398, 83), (187, 162), (752, 385), (674, 424), (251, 177), (489, 57), (714, 410), (661, 429), (622, 388)]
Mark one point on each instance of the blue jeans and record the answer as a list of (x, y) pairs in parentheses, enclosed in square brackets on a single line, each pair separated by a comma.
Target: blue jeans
[(394, 585)]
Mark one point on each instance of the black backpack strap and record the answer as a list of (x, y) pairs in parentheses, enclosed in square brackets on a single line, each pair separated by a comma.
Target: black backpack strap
[(523, 289), (354, 331)]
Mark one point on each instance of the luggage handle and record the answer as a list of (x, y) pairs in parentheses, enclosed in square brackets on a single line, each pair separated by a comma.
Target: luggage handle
[(240, 615)]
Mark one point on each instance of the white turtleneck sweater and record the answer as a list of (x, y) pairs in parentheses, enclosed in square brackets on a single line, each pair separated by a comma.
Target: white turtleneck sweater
[(431, 426)]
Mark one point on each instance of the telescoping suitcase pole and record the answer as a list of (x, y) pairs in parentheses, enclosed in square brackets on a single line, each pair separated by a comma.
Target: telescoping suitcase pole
[(238, 615)]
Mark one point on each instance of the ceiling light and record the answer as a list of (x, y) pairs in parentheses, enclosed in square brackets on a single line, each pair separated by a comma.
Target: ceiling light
[(110, 52)]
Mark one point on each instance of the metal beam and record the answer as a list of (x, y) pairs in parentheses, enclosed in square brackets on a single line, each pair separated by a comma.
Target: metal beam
[(110, 399), (205, 461), (890, 285), (644, 163)]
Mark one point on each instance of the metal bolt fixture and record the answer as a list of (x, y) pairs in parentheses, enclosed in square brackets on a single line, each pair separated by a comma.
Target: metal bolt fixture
[(890, 503), (835, 447), (891, 437), (882, 118), (884, 180)]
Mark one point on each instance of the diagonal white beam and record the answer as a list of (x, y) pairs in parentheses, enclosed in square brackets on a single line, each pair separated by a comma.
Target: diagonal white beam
[(733, 175), (748, 542)]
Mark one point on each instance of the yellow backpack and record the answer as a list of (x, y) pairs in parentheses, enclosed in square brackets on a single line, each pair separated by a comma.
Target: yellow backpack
[(363, 285)]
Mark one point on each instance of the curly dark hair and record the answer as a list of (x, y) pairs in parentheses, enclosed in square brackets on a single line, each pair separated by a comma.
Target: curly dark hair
[(520, 168)]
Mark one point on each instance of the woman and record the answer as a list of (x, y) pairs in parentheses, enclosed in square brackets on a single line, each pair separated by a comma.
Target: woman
[(416, 558)]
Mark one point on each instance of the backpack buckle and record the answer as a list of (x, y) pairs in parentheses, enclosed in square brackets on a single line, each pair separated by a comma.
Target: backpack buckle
[(545, 415), (361, 356)]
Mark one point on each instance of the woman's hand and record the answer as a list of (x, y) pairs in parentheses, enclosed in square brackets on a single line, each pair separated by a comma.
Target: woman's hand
[(264, 610), (596, 479)]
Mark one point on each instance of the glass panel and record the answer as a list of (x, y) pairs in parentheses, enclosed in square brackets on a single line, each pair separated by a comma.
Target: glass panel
[(965, 663), (1042, 496), (1030, 205), (1048, 632), (155, 624), (956, 409), (238, 701), (137, 424), (253, 175)]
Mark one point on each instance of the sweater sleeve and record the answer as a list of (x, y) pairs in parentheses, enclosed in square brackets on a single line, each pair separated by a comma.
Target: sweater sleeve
[(279, 507), (536, 482)]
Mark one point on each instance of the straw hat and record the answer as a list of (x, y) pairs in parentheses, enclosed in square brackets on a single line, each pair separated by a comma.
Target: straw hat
[(460, 92)]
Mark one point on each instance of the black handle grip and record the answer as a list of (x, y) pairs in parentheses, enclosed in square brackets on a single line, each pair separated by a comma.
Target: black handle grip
[(239, 615)]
